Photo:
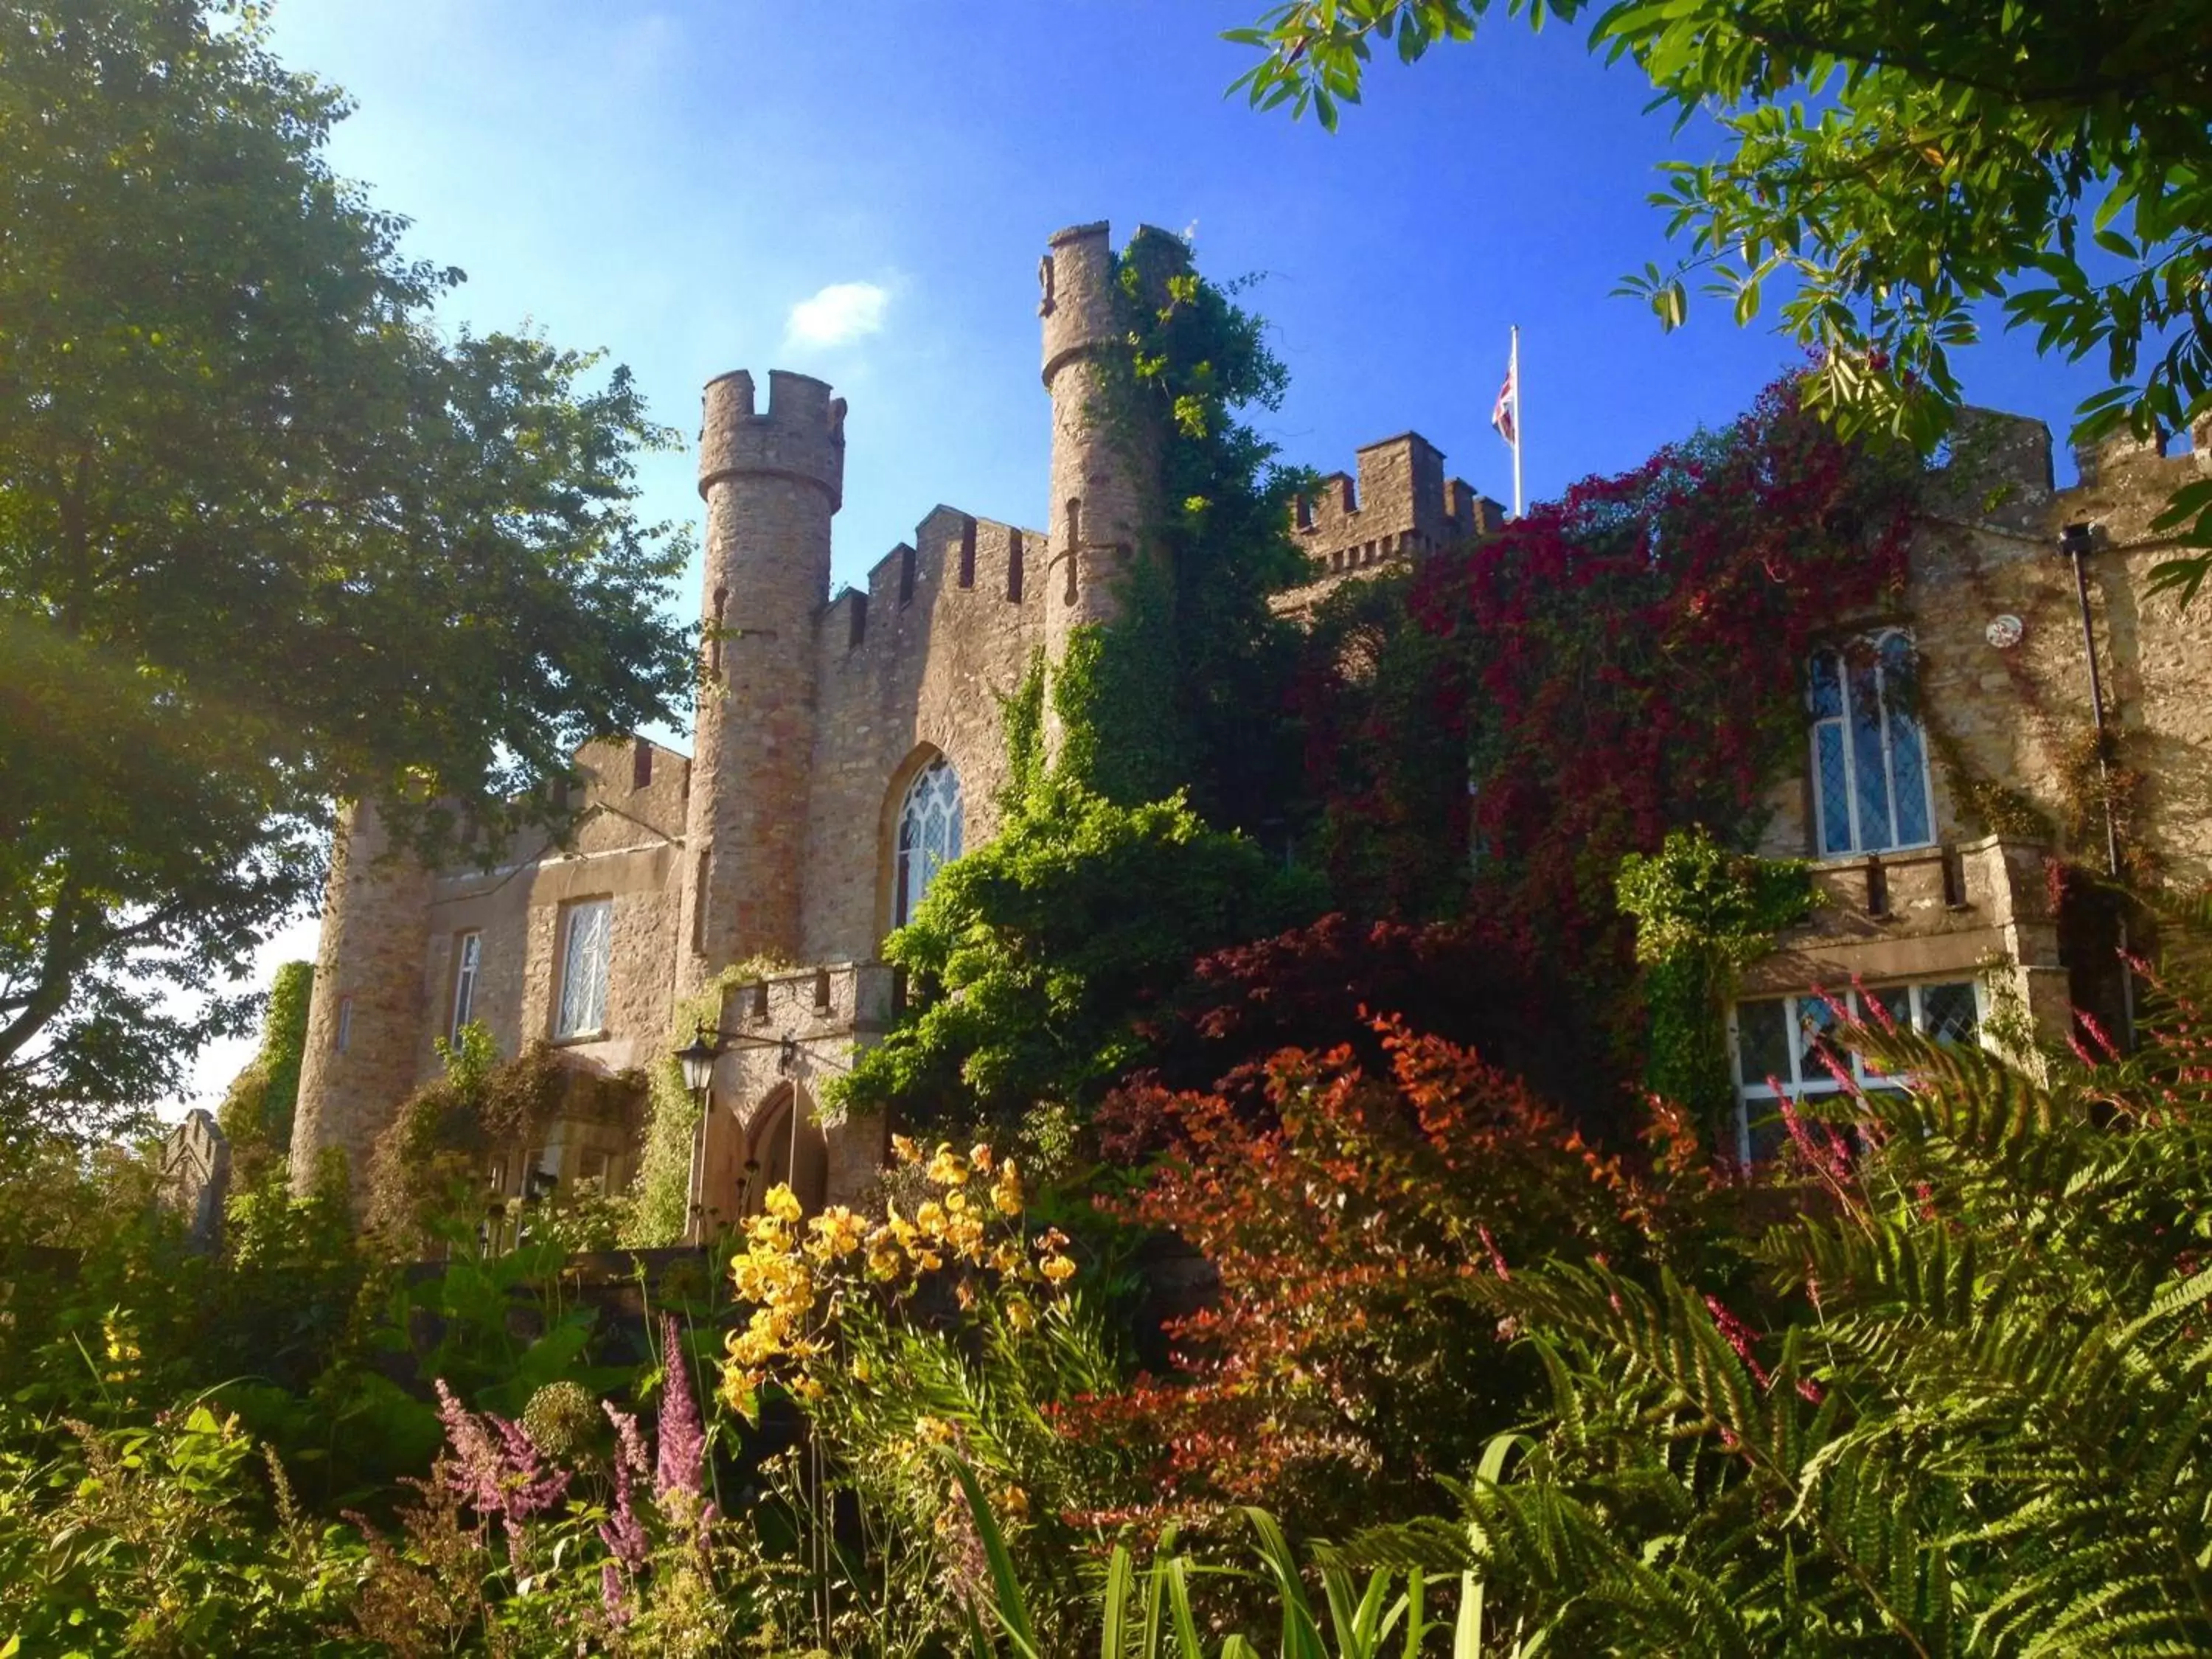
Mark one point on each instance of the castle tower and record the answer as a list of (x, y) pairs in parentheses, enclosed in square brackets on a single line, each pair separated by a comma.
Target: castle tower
[(1103, 482), (771, 482), (365, 1021)]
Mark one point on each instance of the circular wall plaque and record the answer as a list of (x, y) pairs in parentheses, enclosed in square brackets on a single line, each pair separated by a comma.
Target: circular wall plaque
[(2004, 632)]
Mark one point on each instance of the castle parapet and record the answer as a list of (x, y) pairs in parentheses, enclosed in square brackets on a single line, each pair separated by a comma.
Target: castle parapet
[(1402, 506), (955, 558), (801, 435)]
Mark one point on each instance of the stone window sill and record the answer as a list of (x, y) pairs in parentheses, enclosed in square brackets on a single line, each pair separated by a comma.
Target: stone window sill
[(577, 1039)]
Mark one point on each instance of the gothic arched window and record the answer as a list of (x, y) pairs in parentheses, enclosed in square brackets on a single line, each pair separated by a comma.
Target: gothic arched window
[(928, 836)]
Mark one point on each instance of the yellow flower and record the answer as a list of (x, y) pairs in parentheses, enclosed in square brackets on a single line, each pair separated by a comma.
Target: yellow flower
[(1006, 1256), (930, 1218), (1013, 1503), (1021, 1315), (1058, 1268), (904, 1150), (783, 1204), (967, 1294), (980, 1155), (761, 1340), (945, 1169), (935, 1430), (1007, 1191), (884, 1262), (860, 1372), (836, 1233)]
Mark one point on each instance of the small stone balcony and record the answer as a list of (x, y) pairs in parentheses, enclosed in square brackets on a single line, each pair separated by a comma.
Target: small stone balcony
[(1956, 911)]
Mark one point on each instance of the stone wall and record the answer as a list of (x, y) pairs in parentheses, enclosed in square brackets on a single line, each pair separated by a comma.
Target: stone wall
[(366, 1018), (625, 848), (392, 933), (2004, 695), (911, 668), (2019, 715), (771, 481), (830, 1014)]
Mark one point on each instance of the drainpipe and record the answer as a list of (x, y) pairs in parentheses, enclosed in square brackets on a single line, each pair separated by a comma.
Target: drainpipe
[(2077, 542)]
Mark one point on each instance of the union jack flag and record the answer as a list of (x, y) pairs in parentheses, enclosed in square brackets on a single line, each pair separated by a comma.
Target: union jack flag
[(1501, 416)]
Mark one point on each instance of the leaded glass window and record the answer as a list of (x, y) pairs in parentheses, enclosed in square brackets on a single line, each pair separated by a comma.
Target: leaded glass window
[(585, 955), (1869, 759), (928, 836), (468, 951), (1784, 1050)]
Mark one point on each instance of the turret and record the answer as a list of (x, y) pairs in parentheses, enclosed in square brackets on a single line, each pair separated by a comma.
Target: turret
[(771, 482), (1104, 481), (365, 1022)]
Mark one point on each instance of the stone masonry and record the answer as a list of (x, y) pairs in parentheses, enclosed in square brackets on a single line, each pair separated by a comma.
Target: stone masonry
[(778, 842)]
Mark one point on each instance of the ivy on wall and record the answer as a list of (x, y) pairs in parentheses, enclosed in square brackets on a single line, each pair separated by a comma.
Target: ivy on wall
[(427, 1171), (1703, 912), (1491, 734), (256, 1113), (1038, 962), (1188, 688), (658, 1207)]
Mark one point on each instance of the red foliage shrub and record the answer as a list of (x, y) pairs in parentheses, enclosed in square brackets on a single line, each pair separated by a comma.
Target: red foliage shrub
[(1341, 1363), (1317, 987)]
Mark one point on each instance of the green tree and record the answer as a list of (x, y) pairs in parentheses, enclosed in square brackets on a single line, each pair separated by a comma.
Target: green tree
[(267, 539), (1889, 168), (1036, 959)]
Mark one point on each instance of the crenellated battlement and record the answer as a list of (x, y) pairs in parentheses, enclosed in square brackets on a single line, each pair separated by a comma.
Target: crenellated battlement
[(954, 558), (800, 435), (1403, 505), (1998, 471)]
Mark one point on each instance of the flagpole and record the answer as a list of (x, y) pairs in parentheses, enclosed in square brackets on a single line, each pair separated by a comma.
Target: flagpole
[(1513, 371)]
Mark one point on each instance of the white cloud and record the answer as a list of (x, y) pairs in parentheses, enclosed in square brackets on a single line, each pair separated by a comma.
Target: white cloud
[(837, 315)]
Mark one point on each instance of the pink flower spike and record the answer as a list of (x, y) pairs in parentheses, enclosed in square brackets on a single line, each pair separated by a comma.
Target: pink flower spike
[(683, 1441), (1496, 1256), (1738, 1335), (2111, 1050)]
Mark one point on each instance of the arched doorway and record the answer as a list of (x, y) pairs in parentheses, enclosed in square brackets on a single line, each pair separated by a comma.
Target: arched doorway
[(785, 1146)]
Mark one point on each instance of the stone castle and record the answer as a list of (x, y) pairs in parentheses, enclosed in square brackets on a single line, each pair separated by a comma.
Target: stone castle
[(846, 747)]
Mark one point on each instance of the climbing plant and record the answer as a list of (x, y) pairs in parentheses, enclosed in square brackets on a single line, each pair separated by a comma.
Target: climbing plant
[(657, 1209), (1189, 688), (1037, 961), (1040, 963), (256, 1114), (1493, 734), (1702, 914)]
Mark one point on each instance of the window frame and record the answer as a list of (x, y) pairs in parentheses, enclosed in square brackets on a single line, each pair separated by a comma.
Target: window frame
[(468, 969), (344, 1033), (1818, 1081), (1892, 721), (571, 917)]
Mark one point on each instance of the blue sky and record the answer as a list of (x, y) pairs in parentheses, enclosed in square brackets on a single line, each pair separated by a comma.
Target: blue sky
[(862, 192)]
